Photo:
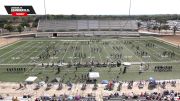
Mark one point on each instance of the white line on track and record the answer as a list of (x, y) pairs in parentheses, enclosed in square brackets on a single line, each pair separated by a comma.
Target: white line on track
[(9, 44)]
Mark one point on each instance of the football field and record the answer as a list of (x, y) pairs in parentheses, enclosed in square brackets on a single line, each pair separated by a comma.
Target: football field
[(43, 56)]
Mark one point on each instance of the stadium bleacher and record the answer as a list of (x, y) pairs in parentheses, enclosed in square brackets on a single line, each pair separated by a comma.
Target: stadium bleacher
[(81, 25), (87, 28)]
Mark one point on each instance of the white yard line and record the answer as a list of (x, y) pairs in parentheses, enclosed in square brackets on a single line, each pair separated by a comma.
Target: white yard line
[(32, 63), (36, 56), (165, 48), (32, 60), (107, 53), (90, 51), (131, 52), (56, 45), (66, 51), (15, 52), (98, 52), (150, 59), (28, 56), (23, 52), (41, 47), (14, 49), (113, 49), (73, 53), (39, 52), (82, 52), (152, 53)]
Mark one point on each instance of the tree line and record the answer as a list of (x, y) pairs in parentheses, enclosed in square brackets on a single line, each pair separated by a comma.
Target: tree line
[(35, 18), (6, 21)]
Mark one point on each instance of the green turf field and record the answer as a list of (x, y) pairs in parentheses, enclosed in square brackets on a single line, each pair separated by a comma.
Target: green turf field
[(31, 53)]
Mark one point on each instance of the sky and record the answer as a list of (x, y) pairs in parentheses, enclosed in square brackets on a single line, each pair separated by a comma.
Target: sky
[(98, 7)]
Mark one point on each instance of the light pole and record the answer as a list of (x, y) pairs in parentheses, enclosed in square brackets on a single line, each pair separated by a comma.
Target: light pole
[(130, 8), (45, 10)]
